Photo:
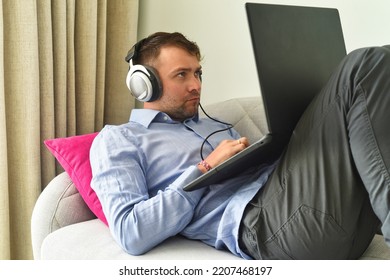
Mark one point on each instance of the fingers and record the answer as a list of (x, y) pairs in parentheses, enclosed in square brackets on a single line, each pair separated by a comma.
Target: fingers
[(243, 141), (238, 144), (225, 150)]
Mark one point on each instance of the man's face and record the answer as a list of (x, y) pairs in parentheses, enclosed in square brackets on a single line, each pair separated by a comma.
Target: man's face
[(180, 74)]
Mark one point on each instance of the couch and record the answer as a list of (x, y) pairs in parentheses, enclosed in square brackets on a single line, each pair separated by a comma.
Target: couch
[(63, 226)]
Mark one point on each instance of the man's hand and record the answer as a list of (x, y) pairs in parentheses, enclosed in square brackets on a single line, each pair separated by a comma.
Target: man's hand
[(225, 150)]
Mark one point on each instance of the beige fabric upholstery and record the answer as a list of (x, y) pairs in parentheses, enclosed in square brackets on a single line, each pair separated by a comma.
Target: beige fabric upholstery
[(245, 114)]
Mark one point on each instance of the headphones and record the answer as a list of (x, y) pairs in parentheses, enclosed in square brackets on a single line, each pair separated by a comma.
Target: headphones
[(142, 81)]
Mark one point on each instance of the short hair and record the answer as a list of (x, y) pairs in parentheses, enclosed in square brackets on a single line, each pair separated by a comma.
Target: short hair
[(148, 49)]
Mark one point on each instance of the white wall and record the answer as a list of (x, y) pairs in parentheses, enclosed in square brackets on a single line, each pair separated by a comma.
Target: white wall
[(221, 31)]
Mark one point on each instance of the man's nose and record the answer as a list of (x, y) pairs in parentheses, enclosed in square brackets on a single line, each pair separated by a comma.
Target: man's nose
[(196, 83)]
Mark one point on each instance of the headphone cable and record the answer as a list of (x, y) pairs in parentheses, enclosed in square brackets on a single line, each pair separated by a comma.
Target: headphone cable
[(211, 134)]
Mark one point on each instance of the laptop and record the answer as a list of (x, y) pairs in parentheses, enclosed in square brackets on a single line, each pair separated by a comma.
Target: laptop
[(296, 49)]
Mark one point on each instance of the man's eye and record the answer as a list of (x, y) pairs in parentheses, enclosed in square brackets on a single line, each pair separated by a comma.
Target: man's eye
[(199, 74)]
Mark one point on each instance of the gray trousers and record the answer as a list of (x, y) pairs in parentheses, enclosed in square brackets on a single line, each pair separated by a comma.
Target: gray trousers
[(331, 188)]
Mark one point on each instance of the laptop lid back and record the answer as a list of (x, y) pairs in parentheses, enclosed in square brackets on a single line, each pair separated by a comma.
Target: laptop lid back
[(296, 49)]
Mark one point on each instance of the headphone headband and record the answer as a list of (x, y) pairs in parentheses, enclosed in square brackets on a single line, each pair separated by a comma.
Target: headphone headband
[(132, 53)]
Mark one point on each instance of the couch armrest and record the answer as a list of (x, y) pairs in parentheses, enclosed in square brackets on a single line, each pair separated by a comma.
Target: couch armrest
[(59, 205)]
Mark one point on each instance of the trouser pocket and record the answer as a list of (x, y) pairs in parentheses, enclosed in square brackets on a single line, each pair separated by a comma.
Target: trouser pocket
[(307, 234)]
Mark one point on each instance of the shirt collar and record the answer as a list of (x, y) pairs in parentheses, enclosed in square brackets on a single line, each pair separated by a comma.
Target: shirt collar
[(147, 116)]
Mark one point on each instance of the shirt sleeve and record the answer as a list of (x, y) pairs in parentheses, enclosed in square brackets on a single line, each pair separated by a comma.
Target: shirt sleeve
[(137, 221)]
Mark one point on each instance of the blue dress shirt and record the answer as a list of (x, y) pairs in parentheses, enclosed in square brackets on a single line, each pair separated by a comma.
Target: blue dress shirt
[(139, 171)]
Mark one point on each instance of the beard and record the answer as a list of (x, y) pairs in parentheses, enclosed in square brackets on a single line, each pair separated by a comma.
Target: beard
[(181, 109), (184, 112)]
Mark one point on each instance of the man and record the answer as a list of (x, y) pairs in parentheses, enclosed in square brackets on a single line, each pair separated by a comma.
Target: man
[(316, 201)]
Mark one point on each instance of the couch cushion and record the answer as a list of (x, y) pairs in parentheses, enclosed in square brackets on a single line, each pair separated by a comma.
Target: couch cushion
[(246, 114), (92, 240)]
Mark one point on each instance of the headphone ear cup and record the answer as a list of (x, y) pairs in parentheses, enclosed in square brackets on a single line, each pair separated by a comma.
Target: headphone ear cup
[(144, 83)]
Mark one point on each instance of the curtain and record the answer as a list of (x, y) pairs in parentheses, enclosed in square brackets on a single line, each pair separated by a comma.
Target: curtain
[(62, 73)]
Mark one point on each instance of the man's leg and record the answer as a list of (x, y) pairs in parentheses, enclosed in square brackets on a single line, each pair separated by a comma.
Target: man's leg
[(317, 203)]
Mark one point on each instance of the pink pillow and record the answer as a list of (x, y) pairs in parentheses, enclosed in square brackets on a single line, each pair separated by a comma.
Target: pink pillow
[(73, 155)]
